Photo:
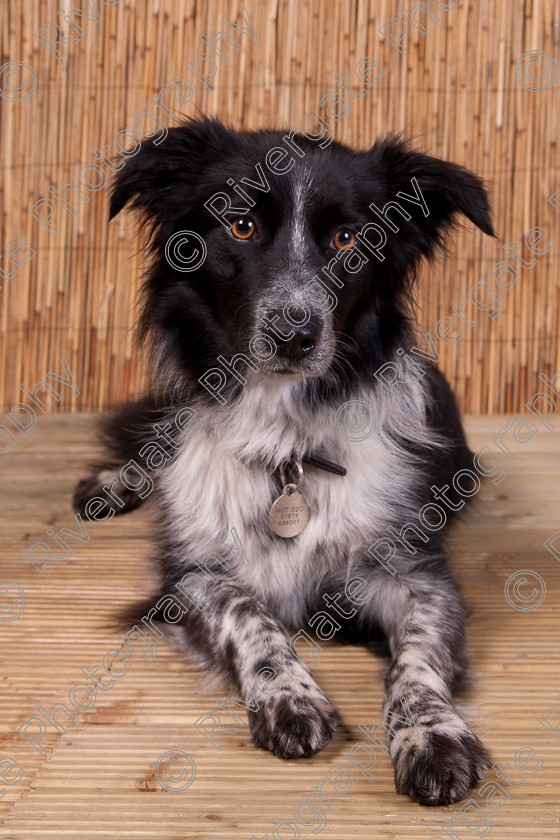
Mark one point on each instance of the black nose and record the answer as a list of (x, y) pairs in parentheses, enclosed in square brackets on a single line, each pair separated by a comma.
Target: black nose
[(293, 342)]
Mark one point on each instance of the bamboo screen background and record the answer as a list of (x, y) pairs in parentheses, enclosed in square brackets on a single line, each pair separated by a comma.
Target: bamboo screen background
[(455, 93)]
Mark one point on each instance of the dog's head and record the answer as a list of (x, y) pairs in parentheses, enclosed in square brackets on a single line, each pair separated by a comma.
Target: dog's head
[(297, 253)]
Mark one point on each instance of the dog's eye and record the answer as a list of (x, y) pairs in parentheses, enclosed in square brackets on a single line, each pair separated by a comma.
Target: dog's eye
[(243, 228), (343, 238)]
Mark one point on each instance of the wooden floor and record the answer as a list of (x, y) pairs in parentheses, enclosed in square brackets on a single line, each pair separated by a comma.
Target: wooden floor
[(96, 780)]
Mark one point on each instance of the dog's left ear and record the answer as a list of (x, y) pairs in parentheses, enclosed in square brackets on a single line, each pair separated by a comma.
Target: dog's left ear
[(439, 191)]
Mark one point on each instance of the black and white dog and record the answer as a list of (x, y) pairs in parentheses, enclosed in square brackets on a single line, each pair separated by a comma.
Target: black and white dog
[(294, 313)]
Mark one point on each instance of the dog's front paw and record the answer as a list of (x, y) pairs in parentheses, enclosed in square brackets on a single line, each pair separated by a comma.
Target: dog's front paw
[(293, 725), (435, 768)]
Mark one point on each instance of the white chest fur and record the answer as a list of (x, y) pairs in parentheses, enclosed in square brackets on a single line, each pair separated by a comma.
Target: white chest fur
[(221, 479)]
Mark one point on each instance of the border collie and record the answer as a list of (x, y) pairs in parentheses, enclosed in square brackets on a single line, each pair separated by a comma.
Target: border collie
[(277, 309)]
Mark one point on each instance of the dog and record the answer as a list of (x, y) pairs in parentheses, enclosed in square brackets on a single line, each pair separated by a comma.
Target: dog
[(284, 316)]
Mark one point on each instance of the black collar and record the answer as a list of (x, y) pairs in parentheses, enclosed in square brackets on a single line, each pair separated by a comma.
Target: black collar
[(323, 464)]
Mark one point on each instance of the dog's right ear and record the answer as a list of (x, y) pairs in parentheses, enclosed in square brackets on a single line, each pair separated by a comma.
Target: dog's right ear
[(160, 178)]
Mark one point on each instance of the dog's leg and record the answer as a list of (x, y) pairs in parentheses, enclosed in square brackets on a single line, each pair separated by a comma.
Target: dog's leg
[(238, 637), (104, 484), (124, 434), (438, 759)]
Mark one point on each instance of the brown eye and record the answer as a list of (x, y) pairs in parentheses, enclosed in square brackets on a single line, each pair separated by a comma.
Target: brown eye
[(343, 238), (243, 228)]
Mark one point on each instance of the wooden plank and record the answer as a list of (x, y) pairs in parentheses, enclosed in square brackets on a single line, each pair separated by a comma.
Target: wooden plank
[(96, 780)]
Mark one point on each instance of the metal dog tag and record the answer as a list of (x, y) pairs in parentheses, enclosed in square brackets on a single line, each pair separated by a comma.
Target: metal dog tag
[(290, 512)]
